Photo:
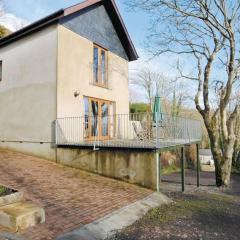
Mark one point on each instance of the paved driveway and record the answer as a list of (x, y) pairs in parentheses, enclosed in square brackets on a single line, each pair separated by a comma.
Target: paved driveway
[(70, 197), (206, 178)]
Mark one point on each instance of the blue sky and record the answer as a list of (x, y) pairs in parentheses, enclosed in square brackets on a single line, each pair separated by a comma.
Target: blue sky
[(32, 10)]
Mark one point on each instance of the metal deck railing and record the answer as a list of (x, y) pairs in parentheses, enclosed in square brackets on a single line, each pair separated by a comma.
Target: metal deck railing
[(141, 130)]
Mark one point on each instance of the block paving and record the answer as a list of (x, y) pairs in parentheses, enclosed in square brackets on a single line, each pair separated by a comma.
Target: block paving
[(70, 197)]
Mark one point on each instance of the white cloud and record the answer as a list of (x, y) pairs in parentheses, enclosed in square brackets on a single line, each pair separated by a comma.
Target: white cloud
[(10, 21)]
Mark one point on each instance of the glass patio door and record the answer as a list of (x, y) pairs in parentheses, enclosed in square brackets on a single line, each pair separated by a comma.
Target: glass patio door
[(94, 115), (97, 118), (104, 113)]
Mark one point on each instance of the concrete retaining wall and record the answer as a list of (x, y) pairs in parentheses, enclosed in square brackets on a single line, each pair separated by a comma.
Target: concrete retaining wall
[(132, 166)]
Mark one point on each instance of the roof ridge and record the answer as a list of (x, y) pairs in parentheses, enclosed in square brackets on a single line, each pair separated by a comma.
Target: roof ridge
[(79, 6)]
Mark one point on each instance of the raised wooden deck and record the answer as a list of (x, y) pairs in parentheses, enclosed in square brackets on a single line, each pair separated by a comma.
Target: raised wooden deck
[(132, 144)]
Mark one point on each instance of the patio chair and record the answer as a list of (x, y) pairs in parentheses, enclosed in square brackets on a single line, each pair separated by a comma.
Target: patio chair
[(143, 134)]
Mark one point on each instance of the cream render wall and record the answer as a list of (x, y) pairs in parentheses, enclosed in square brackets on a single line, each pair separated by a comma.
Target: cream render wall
[(41, 72), (75, 61), (28, 93)]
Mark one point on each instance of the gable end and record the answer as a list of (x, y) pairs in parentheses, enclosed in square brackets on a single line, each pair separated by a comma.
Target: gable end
[(95, 24)]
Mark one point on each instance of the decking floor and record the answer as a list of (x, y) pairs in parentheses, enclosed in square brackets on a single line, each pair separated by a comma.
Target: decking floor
[(132, 143)]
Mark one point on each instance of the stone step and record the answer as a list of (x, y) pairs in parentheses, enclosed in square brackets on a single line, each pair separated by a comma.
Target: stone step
[(21, 215), (12, 198)]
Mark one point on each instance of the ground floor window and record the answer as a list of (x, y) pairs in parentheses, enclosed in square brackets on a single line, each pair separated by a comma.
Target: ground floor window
[(99, 118)]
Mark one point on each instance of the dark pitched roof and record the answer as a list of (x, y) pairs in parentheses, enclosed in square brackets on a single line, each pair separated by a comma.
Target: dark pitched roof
[(111, 8)]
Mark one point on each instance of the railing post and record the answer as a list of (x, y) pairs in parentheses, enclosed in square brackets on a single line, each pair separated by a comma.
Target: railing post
[(157, 129)]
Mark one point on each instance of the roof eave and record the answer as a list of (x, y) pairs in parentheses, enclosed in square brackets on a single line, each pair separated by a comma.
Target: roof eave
[(133, 52), (50, 19)]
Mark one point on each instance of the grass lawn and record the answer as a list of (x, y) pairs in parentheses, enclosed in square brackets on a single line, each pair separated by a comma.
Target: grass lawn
[(170, 169), (2, 191), (5, 191), (199, 216)]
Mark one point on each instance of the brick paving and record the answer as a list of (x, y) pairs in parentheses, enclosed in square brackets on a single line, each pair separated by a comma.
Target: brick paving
[(70, 197)]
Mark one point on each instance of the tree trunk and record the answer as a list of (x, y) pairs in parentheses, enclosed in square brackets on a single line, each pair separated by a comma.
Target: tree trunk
[(236, 157), (223, 161), (236, 153), (222, 157), (227, 163), (217, 157), (226, 171)]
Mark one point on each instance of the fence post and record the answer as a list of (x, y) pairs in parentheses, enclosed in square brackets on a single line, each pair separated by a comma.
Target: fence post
[(183, 168), (158, 170), (198, 166)]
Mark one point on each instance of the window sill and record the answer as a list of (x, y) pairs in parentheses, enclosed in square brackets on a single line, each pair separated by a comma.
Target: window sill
[(101, 86)]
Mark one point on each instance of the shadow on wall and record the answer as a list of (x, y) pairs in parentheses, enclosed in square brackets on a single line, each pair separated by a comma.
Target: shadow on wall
[(53, 134)]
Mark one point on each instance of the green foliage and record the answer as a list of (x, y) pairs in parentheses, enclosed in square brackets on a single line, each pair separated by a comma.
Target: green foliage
[(139, 108), (170, 169), (5, 191), (2, 190)]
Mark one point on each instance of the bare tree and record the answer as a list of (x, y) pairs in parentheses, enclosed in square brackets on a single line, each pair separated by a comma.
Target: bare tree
[(172, 91), (179, 97), (149, 83), (236, 153), (176, 104), (207, 32)]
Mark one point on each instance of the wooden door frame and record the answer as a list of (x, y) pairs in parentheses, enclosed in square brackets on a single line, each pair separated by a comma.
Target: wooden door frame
[(100, 101), (99, 81)]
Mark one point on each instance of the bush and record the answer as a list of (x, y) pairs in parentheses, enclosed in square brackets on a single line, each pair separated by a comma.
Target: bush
[(139, 108)]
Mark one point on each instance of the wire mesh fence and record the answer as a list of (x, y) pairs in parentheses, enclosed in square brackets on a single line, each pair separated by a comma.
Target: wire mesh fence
[(140, 130)]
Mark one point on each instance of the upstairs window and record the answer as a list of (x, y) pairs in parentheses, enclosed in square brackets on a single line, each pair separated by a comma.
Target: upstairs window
[(95, 65), (0, 71), (100, 66)]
